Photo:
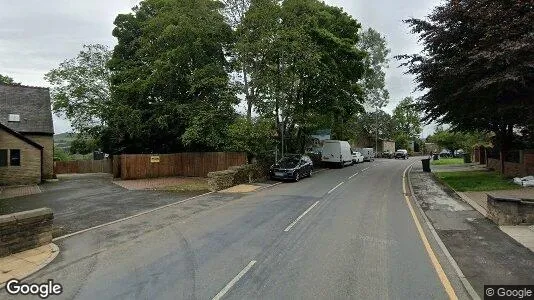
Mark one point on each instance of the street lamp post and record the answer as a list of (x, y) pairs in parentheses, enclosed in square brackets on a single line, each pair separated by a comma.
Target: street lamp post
[(376, 131)]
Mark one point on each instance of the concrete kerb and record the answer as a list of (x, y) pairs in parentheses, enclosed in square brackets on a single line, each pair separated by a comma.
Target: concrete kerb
[(468, 287)]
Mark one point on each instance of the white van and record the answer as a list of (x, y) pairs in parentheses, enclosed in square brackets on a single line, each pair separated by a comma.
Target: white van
[(368, 154), (336, 152)]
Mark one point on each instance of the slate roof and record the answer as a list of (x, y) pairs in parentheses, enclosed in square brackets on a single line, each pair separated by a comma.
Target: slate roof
[(31, 103)]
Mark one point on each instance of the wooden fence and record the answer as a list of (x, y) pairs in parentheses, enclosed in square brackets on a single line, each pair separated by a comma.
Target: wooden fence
[(196, 164), (83, 166)]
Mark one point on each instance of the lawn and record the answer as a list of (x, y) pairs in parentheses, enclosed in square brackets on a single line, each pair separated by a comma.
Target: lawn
[(476, 181), (448, 161)]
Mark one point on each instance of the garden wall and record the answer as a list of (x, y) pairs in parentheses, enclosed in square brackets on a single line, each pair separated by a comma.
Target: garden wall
[(25, 230)]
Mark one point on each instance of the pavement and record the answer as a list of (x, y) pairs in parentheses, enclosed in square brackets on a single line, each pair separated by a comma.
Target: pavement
[(485, 255), (343, 233), (25, 263), (81, 201)]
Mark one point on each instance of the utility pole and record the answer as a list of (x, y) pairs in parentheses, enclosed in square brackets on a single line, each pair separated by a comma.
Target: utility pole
[(283, 129)]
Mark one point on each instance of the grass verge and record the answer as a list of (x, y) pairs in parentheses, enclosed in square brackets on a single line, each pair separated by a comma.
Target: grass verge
[(476, 181), (448, 161)]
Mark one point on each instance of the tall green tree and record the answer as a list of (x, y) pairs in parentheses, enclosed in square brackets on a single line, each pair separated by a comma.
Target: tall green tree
[(366, 125), (170, 85), (376, 61), (81, 89), (476, 69), (304, 64), (234, 12), (407, 120)]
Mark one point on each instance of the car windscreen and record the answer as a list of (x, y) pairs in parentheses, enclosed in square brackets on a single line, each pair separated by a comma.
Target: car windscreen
[(289, 162)]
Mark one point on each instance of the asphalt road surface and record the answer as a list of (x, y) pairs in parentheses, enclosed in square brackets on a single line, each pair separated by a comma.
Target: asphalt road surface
[(342, 234)]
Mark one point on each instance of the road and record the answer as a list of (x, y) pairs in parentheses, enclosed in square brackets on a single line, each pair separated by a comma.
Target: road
[(344, 233)]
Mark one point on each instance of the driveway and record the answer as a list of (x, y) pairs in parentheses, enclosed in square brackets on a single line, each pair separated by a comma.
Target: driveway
[(85, 200)]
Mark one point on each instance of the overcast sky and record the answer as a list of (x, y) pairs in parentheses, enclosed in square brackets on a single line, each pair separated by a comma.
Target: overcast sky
[(36, 35)]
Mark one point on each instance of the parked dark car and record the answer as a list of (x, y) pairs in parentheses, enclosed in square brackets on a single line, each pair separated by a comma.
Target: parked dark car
[(292, 167), (401, 154)]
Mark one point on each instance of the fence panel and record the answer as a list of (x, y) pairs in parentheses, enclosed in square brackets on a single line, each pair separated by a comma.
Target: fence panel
[(194, 164), (83, 166)]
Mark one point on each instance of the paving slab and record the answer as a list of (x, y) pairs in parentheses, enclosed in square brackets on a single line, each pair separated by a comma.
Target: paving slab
[(522, 234), (25, 263), (17, 191)]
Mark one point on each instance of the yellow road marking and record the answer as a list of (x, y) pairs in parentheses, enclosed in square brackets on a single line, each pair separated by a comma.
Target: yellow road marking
[(437, 266)]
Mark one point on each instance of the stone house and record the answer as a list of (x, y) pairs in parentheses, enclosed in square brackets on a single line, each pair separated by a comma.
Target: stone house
[(26, 135)]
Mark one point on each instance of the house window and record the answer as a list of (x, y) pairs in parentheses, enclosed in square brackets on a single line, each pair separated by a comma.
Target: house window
[(3, 157), (14, 157), (13, 118)]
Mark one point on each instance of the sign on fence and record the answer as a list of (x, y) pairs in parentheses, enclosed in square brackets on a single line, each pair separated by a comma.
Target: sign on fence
[(154, 159)]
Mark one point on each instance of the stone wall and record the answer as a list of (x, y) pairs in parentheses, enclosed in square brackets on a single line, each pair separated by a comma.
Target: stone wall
[(29, 171), (220, 180), (510, 211), (25, 230), (235, 175)]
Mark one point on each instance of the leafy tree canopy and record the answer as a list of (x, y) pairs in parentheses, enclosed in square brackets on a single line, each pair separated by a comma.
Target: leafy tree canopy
[(477, 65), (169, 83), (373, 82), (407, 118), (303, 60), (81, 89), (7, 80)]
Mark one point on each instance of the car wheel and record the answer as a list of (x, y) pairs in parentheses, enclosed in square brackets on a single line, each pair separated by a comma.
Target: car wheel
[(310, 173)]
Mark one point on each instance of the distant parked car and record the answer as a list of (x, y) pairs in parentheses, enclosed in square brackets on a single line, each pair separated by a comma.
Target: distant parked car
[(292, 167), (368, 154), (387, 154), (445, 153), (357, 157), (401, 153), (459, 153)]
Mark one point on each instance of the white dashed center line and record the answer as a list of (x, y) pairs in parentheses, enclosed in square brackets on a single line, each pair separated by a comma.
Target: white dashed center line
[(300, 217), (335, 187), (234, 281), (354, 175)]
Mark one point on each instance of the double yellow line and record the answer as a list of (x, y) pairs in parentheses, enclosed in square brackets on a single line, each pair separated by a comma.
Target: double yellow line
[(437, 266)]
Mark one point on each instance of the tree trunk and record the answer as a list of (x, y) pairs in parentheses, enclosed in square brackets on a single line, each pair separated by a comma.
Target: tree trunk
[(248, 97)]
